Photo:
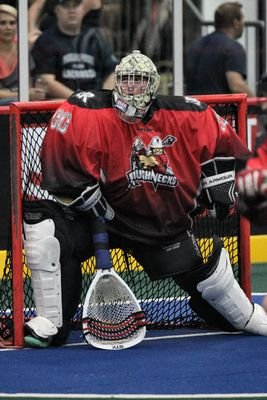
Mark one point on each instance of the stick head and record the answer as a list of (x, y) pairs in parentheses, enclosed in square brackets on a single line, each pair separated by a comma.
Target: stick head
[(112, 317)]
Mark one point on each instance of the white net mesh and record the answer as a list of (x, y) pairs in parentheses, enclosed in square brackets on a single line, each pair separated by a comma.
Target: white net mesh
[(111, 313)]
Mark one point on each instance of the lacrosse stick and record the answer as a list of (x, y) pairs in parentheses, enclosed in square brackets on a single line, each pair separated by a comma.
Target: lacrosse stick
[(112, 316)]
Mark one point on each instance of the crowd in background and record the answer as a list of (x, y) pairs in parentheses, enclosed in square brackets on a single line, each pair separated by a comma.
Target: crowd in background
[(87, 31)]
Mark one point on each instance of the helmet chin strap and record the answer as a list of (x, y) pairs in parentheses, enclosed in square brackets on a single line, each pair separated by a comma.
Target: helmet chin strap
[(128, 112)]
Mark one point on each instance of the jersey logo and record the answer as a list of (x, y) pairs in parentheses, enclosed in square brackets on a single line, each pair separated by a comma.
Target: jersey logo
[(84, 96), (192, 101), (150, 163)]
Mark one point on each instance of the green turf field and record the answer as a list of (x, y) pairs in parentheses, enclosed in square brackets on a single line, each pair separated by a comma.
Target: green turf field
[(259, 277)]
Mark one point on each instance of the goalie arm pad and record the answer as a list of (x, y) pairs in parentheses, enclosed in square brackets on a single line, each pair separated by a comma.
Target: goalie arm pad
[(218, 184), (91, 201)]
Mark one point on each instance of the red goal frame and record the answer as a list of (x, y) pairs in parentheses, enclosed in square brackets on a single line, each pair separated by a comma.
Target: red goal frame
[(241, 99)]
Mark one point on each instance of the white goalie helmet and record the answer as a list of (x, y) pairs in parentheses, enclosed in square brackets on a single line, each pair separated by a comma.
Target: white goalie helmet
[(136, 85)]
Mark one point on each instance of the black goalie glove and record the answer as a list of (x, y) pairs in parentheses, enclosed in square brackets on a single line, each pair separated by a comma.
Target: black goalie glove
[(90, 201), (218, 185)]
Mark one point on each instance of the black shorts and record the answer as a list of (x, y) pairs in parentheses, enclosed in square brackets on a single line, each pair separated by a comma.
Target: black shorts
[(158, 261), (74, 234), (162, 261)]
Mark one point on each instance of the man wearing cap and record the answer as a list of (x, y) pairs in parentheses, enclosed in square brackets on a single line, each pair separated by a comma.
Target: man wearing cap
[(69, 57)]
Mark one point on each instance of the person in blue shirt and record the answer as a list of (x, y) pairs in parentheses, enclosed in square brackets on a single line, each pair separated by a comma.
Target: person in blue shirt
[(216, 63)]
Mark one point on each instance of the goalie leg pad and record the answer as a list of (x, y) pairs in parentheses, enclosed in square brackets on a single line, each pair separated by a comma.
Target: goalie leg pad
[(258, 322), (217, 297), (222, 292), (42, 251), (188, 281)]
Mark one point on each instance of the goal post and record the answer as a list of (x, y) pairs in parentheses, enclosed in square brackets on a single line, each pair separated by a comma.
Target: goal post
[(16, 126), (165, 305), (241, 128)]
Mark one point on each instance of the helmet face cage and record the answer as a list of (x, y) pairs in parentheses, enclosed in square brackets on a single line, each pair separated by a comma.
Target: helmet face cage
[(134, 87), (136, 84)]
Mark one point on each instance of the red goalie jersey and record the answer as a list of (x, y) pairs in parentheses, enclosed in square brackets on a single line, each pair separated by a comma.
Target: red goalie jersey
[(149, 172)]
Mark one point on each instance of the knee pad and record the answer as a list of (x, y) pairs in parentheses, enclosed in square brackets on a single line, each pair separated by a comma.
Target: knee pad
[(40, 210), (223, 293), (217, 297), (42, 250), (188, 281)]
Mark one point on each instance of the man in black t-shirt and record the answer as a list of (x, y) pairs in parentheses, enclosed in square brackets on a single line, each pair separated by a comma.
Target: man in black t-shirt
[(216, 63), (70, 57)]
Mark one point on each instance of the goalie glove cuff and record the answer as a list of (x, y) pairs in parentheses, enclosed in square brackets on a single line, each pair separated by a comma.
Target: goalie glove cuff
[(218, 180), (212, 185), (91, 201)]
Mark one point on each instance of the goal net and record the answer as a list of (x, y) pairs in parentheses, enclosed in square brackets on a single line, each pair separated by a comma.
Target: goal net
[(165, 305)]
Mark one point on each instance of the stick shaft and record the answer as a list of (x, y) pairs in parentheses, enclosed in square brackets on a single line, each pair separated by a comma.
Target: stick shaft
[(101, 244)]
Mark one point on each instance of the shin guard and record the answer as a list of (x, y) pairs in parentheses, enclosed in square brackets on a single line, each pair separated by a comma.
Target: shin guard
[(42, 251), (223, 293)]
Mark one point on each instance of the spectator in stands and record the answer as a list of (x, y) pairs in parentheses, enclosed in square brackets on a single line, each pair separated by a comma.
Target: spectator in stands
[(216, 63), (69, 58), (41, 16), (135, 159), (153, 35), (9, 58), (12, 3)]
